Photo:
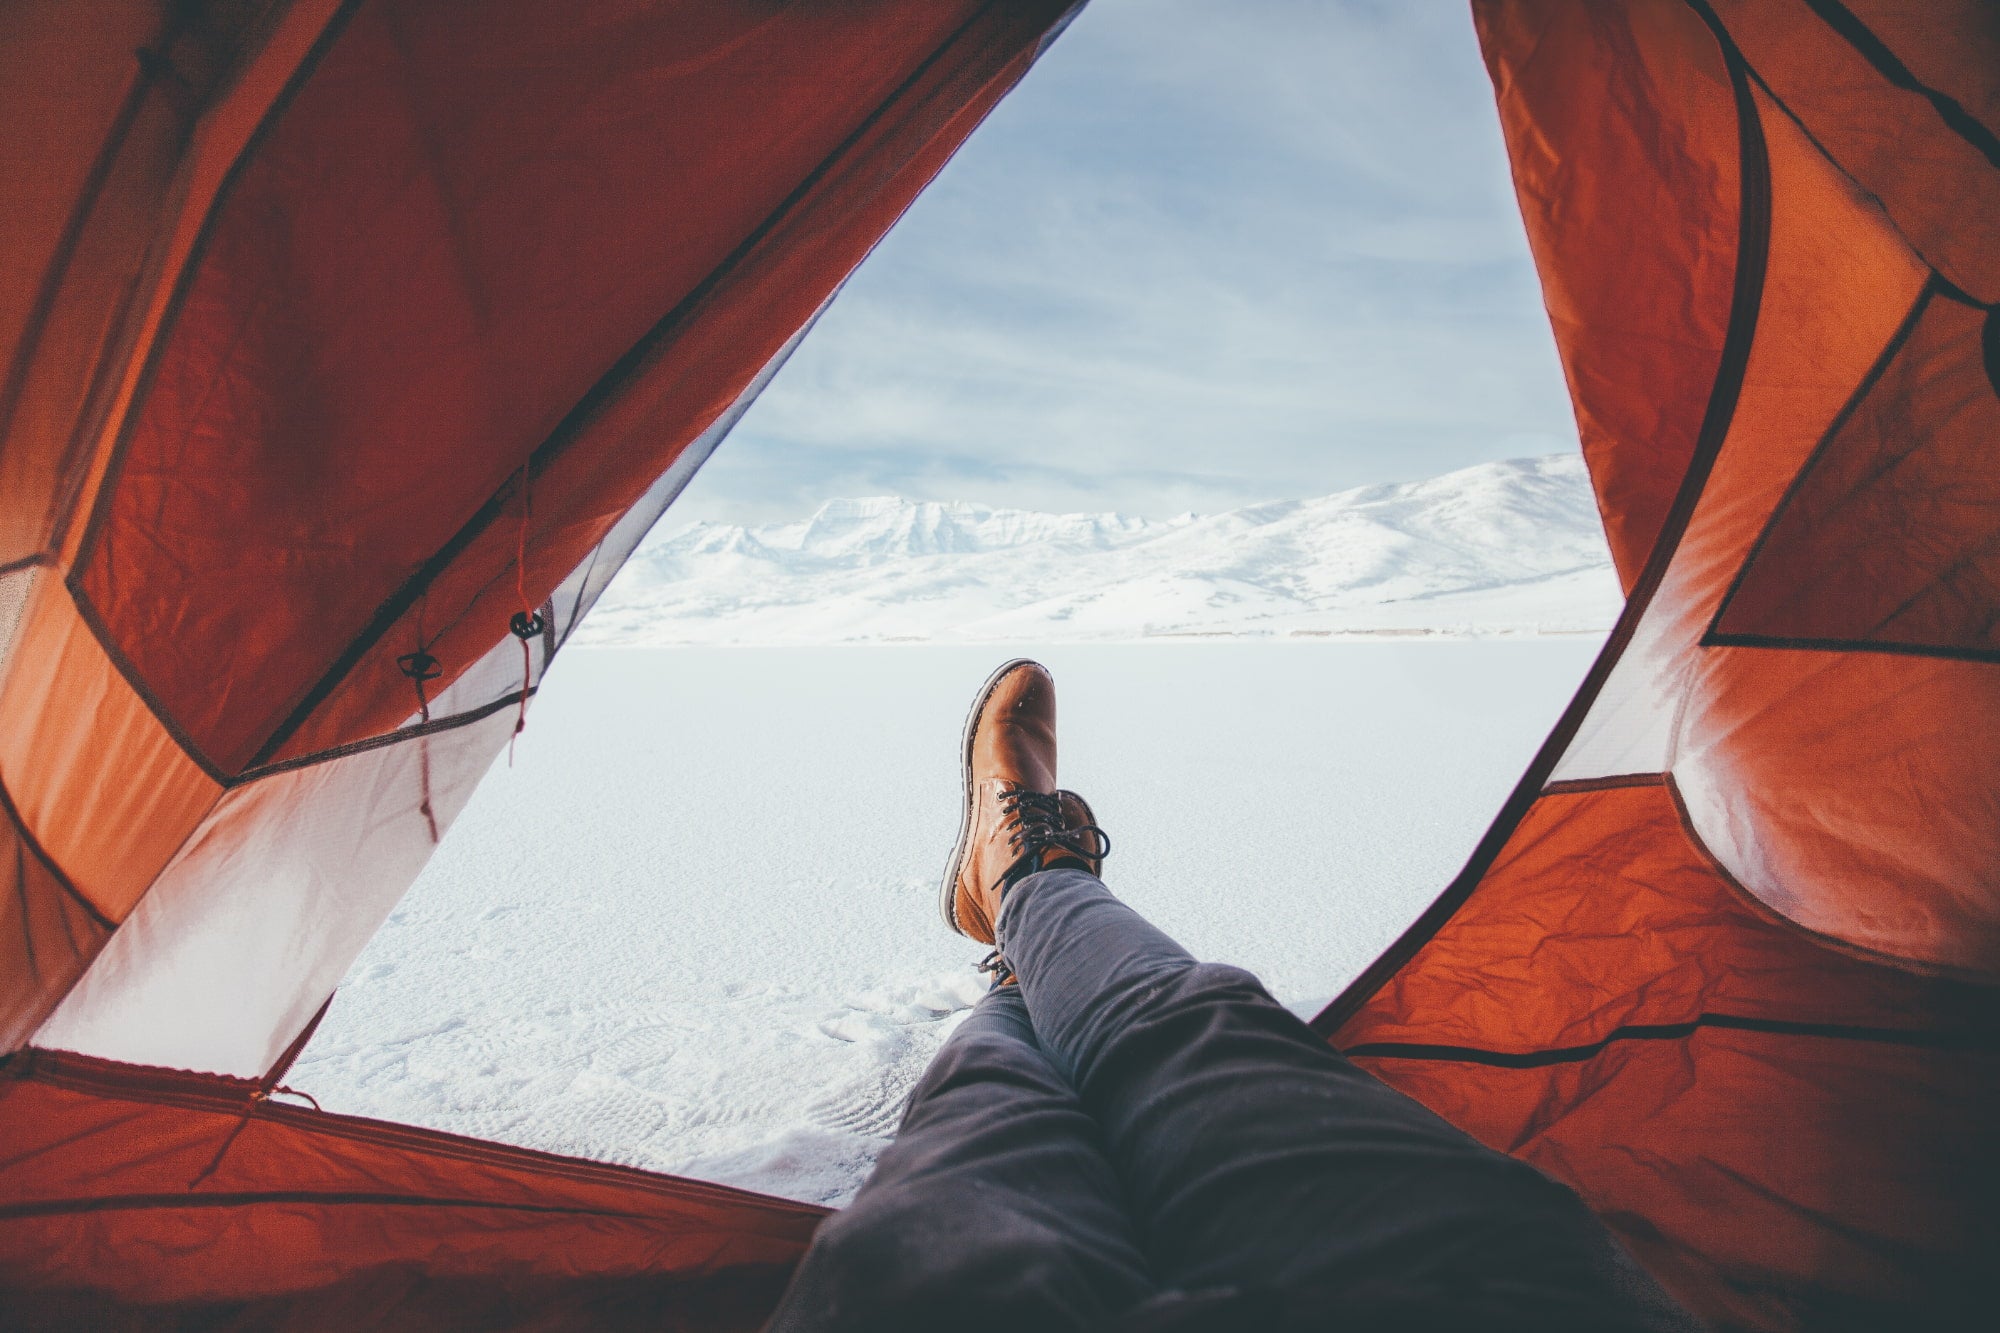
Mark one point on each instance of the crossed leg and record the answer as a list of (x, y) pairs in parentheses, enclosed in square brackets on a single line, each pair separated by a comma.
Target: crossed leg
[(1133, 1139), (1272, 1180)]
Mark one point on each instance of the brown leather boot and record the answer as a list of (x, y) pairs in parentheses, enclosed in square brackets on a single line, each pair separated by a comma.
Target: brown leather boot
[(1016, 820)]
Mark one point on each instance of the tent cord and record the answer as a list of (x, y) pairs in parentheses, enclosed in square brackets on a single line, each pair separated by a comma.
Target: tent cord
[(527, 622), (261, 1092), (421, 667)]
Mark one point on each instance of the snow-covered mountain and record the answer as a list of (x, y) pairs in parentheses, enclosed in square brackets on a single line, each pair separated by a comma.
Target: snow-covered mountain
[(1501, 548)]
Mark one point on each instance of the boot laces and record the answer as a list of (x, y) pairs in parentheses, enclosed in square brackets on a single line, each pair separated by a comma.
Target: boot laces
[(998, 968), (1038, 827)]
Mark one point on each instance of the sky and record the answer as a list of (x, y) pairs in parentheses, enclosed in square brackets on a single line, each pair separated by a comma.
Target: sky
[(1208, 253)]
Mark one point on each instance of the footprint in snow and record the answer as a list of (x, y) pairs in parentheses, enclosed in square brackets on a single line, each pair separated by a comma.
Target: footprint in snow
[(871, 1107), (899, 1029), (879, 1012)]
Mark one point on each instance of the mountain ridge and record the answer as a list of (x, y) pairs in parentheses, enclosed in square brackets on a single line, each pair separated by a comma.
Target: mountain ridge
[(1498, 548)]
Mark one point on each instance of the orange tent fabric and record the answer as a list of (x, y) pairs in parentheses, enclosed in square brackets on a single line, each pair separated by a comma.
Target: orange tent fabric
[(347, 348), (408, 327), (253, 1213), (1726, 961)]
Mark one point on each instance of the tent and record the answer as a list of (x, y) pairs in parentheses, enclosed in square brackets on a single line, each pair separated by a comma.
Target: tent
[(346, 348)]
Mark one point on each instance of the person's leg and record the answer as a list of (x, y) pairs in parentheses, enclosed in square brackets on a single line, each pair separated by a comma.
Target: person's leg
[(1255, 1157), (995, 1208)]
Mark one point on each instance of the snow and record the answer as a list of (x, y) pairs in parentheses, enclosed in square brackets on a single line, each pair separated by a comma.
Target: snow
[(1507, 548), (693, 927)]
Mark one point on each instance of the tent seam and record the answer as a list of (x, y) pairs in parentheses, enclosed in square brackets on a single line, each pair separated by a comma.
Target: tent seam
[(1908, 1037), (1885, 62), (27, 836)]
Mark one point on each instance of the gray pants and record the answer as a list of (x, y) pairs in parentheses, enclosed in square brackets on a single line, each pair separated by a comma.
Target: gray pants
[(1129, 1139)]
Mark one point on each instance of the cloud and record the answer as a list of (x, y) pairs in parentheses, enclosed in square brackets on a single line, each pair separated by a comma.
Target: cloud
[(1204, 255)]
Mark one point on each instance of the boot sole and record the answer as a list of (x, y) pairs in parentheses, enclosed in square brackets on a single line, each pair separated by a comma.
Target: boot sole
[(948, 890)]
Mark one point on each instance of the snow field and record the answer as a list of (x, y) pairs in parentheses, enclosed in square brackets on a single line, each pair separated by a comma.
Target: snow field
[(694, 927)]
